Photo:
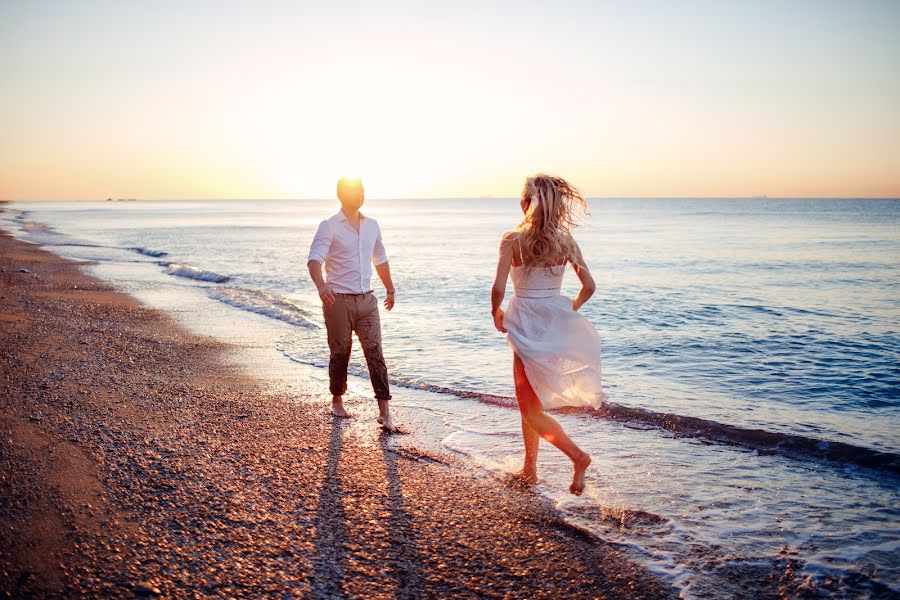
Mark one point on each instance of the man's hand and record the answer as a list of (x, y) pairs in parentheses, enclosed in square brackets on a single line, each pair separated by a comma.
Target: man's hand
[(326, 295), (384, 273), (498, 321)]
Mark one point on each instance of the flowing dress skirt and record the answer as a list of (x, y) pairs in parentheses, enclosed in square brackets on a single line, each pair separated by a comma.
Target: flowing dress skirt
[(559, 348)]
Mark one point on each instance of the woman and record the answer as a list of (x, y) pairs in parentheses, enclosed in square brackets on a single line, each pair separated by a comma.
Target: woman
[(556, 351)]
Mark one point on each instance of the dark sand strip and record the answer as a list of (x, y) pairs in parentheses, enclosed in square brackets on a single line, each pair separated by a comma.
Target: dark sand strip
[(131, 452)]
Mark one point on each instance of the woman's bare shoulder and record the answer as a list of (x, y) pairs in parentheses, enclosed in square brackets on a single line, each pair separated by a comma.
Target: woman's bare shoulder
[(509, 237)]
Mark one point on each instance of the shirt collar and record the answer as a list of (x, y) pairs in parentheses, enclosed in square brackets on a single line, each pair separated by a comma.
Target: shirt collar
[(342, 217)]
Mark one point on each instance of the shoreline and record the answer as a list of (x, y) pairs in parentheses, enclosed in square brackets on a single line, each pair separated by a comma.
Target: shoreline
[(135, 455)]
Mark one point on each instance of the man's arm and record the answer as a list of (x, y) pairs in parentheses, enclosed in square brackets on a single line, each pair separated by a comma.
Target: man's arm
[(379, 257), (317, 252), (315, 272), (384, 273)]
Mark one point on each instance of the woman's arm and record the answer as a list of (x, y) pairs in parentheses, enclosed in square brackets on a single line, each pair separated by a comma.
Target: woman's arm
[(498, 291), (588, 287)]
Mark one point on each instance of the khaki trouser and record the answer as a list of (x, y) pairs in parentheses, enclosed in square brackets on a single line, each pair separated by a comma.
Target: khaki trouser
[(359, 313)]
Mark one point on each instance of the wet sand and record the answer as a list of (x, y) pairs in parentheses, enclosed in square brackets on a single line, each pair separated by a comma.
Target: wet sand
[(136, 462)]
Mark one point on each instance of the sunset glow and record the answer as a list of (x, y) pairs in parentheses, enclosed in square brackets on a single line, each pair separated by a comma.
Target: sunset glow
[(278, 100)]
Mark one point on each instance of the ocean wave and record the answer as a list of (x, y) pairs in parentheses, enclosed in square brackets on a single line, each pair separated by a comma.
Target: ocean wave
[(189, 272), (264, 303), (148, 251), (44, 235), (316, 359), (765, 442)]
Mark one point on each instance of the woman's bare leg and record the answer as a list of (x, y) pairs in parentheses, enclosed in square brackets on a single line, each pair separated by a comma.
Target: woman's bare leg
[(532, 444), (546, 426), (531, 437)]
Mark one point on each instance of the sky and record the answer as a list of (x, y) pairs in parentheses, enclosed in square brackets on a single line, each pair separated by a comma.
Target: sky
[(221, 99)]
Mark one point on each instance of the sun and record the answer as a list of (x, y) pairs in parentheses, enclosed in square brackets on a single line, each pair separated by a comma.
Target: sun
[(300, 143)]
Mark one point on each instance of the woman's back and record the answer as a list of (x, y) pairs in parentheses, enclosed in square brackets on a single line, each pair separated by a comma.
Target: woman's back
[(537, 282), (555, 257)]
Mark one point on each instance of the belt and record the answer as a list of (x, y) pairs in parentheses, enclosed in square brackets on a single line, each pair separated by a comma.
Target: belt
[(360, 294)]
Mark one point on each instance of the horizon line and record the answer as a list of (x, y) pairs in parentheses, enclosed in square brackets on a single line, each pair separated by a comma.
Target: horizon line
[(428, 198)]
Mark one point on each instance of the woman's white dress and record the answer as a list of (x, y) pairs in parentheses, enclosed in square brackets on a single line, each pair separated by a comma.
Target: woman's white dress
[(558, 346)]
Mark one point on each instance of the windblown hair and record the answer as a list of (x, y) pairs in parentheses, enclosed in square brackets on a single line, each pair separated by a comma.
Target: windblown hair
[(552, 207)]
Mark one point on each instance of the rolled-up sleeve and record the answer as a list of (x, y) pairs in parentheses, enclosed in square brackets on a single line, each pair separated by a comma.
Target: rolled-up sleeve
[(379, 256), (321, 241)]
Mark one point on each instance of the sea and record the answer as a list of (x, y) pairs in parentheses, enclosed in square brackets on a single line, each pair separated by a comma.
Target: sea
[(751, 354)]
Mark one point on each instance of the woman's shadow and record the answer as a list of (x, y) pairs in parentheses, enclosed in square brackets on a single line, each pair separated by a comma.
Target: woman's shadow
[(403, 562)]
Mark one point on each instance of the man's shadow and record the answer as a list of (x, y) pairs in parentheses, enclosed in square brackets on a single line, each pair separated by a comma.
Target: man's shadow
[(404, 543), (330, 524), (331, 531)]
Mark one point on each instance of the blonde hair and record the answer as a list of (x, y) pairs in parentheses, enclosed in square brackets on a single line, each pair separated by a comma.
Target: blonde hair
[(552, 207)]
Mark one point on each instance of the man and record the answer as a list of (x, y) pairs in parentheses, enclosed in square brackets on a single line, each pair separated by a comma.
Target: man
[(348, 243)]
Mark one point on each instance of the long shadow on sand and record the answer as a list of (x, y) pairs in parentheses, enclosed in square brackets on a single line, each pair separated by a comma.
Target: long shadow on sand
[(402, 562), (404, 546), (330, 524)]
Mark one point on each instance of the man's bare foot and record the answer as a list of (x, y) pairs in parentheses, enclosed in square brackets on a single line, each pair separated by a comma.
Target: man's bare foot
[(386, 424), (384, 417), (338, 410), (580, 465)]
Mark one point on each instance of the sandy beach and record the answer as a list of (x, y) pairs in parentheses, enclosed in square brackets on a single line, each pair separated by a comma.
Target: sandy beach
[(136, 461)]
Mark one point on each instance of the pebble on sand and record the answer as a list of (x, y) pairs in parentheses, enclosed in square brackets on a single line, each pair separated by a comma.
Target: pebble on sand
[(145, 588)]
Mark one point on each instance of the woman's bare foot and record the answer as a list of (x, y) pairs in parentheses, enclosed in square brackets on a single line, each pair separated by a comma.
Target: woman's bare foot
[(580, 465), (527, 477)]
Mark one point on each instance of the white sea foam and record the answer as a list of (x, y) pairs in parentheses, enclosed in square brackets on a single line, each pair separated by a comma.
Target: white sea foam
[(264, 303), (189, 272)]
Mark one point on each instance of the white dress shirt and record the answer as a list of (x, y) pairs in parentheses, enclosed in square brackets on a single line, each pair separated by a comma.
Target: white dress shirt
[(347, 255)]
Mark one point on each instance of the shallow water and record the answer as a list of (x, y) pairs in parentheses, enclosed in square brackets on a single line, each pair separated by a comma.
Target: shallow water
[(750, 355)]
